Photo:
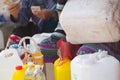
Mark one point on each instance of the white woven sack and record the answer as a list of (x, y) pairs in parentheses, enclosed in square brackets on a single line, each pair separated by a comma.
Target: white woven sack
[(91, 21)]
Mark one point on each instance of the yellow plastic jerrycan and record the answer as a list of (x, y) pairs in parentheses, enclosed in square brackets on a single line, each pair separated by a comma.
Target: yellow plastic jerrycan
[(62, 65), (18, 73), (25, 66), (62, 69)]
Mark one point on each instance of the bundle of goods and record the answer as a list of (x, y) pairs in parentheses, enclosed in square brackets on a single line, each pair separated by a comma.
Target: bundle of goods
[(91, 21), (50, 54)]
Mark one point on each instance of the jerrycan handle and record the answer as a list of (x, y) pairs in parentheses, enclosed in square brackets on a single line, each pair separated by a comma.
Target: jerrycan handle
[(102, 54), (59, 54), (63, 50), (99, 55), (67, 50), (27, 47)]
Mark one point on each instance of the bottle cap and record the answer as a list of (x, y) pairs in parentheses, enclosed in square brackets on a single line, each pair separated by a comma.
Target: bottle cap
[(19, 67)]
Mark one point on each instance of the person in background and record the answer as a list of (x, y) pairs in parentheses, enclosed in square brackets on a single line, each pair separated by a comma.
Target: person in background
[(31, 22), (50, 43)]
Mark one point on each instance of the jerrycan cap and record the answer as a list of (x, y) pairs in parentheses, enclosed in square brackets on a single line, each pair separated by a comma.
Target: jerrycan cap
[(19, 67)]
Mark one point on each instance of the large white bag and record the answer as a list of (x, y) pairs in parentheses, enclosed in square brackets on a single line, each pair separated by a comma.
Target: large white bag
[(91, 21)]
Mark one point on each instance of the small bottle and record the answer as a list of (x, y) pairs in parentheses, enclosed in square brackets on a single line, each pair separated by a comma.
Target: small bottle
[(29, 72), (38, 58), (18, 73), (37, 55), (38, 73)]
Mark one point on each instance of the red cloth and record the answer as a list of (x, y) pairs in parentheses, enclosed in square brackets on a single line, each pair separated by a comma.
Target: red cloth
[(67, 49)]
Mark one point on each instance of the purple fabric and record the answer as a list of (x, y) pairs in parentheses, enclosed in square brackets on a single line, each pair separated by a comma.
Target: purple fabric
[(112, 48), (49, 55), (49, 43), (50, 59), (86, 49)]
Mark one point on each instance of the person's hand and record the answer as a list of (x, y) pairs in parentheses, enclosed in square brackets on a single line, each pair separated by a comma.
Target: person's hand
[(44, 14), (14, 10)]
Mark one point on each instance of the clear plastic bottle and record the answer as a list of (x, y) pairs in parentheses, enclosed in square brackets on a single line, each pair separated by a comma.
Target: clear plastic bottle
[(38, 73), (29, 72)]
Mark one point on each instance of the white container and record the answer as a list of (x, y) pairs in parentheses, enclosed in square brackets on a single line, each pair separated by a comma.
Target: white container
[(9, 59), (97, 66)]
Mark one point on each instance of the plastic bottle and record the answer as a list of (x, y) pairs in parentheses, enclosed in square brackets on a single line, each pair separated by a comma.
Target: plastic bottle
[(18, 73), (38, 73), (29, 72), (38, 58), (62, 69), (13, 39), (25, 66), (95, 66), (62, 64), (66, 53)]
